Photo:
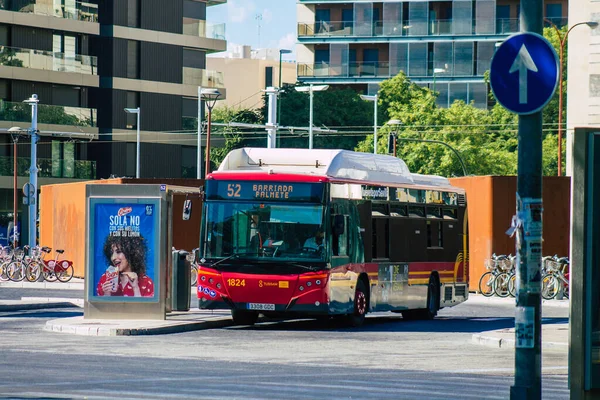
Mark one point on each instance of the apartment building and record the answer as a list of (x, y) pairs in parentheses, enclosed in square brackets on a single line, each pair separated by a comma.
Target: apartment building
[(445, 45), (87, 62), (248, 72)]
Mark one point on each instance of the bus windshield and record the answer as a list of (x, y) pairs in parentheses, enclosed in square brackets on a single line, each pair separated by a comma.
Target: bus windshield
[(252, 230)]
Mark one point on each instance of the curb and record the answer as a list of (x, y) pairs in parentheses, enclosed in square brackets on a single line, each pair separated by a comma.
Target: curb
[(44, 285), (480, 299), (487, 339), (18, 305), (77, 326)]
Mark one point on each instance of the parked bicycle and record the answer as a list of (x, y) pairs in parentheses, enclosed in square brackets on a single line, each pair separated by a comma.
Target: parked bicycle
[(495, 266), (52, 269), (502, 285), (194, 267), (556, 279)]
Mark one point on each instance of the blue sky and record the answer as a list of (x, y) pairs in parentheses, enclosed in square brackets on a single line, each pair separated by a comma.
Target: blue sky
[(277, 27)]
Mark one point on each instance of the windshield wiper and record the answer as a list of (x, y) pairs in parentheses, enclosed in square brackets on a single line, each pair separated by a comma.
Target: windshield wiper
[(230, 257), (293, 264)]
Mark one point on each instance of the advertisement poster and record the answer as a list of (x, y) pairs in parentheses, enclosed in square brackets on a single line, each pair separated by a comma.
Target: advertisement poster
[(124, 259)]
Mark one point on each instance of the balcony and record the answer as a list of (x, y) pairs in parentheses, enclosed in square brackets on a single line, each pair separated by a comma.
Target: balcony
[(201, 28), (433, 27), (377, 69), (81, 11), (47, 114), (50, 168), (47, 60), (203, 77)]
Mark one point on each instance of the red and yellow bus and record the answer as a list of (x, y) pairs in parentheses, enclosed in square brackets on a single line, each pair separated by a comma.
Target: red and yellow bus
[(320, 233)]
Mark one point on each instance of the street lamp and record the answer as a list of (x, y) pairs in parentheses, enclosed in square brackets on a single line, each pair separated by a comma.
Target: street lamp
[(210, 97), (281, 53), (462, 163), (310, 89), (372, 98), (137, 149), (394, 123), (33, 170), (563, 42), (15, 130)]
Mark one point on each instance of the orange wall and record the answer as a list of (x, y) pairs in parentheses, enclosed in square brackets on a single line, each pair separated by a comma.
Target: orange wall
[(491, 204), (63, 217)]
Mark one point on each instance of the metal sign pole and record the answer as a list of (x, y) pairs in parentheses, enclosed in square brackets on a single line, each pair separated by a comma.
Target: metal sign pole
[(528, 358)]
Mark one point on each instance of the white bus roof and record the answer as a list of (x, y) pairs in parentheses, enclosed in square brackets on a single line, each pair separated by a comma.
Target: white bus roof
[(334, 164), (432, 180)]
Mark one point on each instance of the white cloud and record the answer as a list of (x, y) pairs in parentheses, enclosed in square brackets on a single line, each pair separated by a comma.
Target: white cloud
[(288, 42), (240, 11)]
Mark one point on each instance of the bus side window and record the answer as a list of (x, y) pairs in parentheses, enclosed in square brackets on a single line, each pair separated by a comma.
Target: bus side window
[(340, 235)]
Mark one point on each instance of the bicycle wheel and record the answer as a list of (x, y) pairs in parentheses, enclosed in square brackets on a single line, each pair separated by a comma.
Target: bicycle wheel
[(3, 275), (486, 284), (65, 274), (501, 285), (15, 271), (33, 270), (49, 274), (194, 275), (512, 285), (549, 286)]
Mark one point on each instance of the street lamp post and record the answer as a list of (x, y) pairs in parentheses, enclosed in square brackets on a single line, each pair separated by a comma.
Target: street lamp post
[(281, 53), (462, 163), (210, 97), (394, 123), (137, 148), (199, 144), (563, 41), (373, 98), (33, 170), (310, 89), (15, 137)]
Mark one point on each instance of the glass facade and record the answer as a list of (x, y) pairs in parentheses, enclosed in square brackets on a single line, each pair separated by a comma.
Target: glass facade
[(380, 39)]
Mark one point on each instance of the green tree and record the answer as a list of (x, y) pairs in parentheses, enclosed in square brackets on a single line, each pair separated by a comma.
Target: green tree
[(234, 137), (484, 139), (337, 108)]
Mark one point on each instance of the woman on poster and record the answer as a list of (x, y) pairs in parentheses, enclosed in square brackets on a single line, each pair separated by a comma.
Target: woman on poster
[(126, 274)]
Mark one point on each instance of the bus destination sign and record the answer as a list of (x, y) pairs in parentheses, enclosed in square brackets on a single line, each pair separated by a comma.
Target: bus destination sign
[(269, 191)]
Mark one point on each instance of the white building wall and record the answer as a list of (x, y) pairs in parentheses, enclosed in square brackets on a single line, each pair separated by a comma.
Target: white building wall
[(583, 71)]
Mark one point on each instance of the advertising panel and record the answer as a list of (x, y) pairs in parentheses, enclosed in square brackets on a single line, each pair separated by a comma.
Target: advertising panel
[(124, 259)]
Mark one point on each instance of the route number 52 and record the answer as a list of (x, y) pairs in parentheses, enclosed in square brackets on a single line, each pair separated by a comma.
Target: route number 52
[(233, 190)]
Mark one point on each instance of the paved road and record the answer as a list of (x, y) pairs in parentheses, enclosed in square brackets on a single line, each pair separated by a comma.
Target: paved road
[(387, 358)]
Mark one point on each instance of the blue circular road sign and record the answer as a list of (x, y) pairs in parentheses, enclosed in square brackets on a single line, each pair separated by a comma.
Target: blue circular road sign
[(524, 73)]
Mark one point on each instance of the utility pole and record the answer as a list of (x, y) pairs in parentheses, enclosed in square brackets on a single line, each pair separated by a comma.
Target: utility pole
[(272, 116), (528, 319), (33, 170), (258, 18), (523, 76)]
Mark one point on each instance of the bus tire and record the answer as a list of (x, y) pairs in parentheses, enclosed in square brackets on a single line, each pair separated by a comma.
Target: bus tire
[(243, 317), (361, 305), (433, 303)]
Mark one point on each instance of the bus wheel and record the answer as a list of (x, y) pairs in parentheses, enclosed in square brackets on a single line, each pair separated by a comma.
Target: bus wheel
[(243, 317), (433, 304), (361, 305)]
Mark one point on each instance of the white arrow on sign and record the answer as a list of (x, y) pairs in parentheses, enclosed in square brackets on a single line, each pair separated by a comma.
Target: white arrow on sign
[(523, 62)]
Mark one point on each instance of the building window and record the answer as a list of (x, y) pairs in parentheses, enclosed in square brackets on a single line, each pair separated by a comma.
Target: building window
[(268, 76), (133, 57), (133, 13)]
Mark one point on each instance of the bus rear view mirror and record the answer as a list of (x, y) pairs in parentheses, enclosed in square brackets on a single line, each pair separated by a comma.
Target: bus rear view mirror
[(187, 210)]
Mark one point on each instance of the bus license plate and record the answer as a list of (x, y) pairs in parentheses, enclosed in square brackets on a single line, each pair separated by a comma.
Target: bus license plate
[(261, 306)]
